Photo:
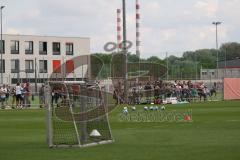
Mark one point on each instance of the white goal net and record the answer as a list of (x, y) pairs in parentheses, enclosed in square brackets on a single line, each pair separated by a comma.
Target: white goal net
[(77, 114)]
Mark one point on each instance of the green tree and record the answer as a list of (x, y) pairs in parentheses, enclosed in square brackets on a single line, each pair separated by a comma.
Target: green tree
[(229, 50)]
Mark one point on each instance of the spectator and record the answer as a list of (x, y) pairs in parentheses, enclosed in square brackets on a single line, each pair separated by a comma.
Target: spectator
[(148, 89), (135, 96), (42, 96), (7, 94), (205, 93), (26, 95), (56, 94), (194, 92), (13, 94), (214, 89), (140, 92), (3, 92), (19, 97)]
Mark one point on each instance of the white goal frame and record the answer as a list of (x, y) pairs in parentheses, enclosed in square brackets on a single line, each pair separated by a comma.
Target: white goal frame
[(49, 119)]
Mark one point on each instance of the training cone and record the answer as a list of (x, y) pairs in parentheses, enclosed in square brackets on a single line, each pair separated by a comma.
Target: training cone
[(187, 118), (95, 133)]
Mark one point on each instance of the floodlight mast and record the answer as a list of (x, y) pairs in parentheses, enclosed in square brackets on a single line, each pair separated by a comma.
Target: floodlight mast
[(1, 48), (216, 24), (125, 52)]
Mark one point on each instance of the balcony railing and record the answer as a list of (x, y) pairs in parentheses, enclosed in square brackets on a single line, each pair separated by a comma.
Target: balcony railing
[(43, 52), (56, 52), (14, 51), (15, 70), (42, 71), (28, 51), (29, 70), (69, 53)]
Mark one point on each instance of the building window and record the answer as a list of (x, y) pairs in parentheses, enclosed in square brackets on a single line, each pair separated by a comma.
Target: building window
[(204, 73), (43, 66), (43, 48), (2, 46), (2, 64), (14, 47), (15, 66), (213, 73), (69, 48), (56, 48), (69, 66), (56, 66), (29, 66), (29, 47)]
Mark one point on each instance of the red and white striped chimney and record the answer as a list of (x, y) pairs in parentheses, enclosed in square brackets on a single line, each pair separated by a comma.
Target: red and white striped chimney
[(137, 28), (119, 30)]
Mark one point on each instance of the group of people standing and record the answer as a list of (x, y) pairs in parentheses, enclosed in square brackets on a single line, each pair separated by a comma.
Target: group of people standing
[(156, 92), (20, 96)]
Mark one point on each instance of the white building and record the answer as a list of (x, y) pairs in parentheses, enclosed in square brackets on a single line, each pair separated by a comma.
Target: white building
[(20, 52), (227, 69)]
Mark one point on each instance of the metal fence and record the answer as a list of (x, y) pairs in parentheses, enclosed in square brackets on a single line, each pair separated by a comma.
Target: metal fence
[(141, 92), (175, 92), (30, 101)]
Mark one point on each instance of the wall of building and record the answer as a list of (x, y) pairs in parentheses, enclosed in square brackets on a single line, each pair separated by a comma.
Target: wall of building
[(235, 63), (207, 74), (81, 46)]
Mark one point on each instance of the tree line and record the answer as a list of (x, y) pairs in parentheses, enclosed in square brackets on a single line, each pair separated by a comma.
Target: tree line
[(187, 66)]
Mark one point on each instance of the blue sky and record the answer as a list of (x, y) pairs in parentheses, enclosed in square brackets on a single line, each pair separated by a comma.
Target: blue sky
[(170, 26)]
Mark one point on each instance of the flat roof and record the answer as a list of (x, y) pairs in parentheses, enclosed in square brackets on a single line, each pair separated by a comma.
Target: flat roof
[(46, 36)]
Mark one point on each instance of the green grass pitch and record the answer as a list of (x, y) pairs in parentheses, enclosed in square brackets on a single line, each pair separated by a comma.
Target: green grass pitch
[(214, 134)]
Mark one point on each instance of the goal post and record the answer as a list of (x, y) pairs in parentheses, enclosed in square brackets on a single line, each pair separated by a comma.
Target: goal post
[(77, 114)]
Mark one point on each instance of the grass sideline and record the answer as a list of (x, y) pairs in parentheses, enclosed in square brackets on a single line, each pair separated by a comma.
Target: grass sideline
[(214, 134)]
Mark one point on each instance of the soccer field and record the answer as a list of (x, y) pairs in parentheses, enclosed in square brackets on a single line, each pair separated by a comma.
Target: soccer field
[(214, 134)]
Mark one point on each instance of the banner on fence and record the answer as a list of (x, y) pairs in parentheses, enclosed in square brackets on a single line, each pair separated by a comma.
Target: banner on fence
[(231, 88)]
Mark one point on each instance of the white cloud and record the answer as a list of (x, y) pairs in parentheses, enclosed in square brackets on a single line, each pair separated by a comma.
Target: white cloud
[(13, 31), (25, 31), (207, 7), (166, 25), (31, 14)]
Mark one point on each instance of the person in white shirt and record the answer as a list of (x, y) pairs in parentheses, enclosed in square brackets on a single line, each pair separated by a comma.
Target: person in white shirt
[(19, 98), (3, 92)]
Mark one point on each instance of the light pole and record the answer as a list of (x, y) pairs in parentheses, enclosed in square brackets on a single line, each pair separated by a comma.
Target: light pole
[(196, 69), (216, 24), (125, 52), (167, 66), (1, 48)]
